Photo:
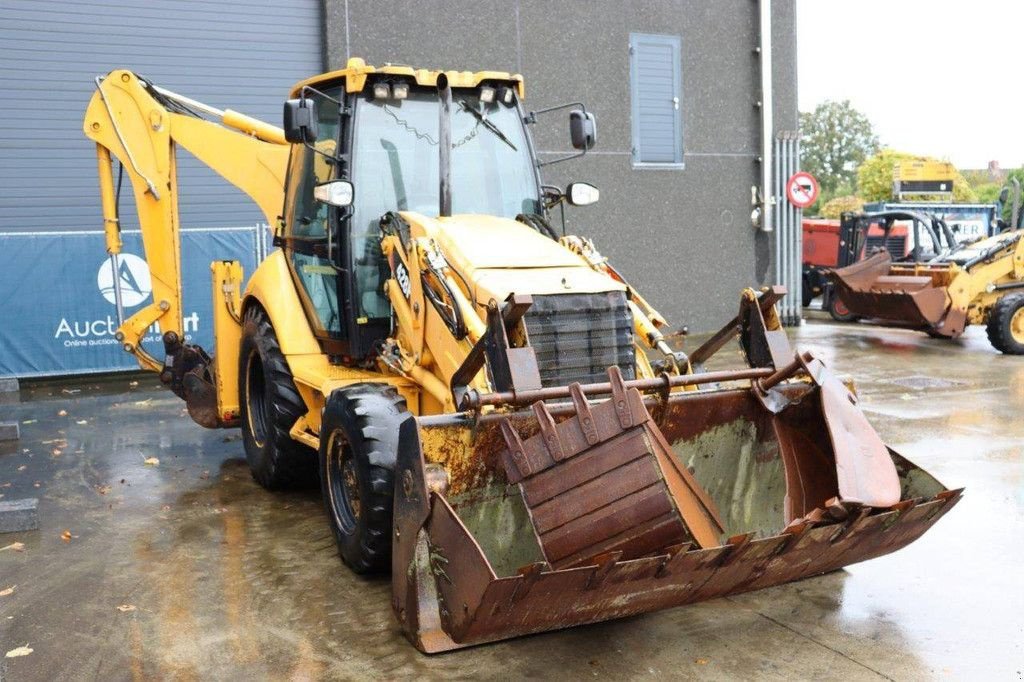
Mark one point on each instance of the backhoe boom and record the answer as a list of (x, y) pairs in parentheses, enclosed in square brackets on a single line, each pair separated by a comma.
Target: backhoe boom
[(141, 125)]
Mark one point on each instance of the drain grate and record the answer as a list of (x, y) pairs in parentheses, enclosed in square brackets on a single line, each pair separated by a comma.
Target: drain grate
[(922, 382)]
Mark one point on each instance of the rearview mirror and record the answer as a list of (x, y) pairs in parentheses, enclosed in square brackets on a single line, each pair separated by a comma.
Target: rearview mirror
[(582, 129), (334, 193), (581, 194), (300, 123)]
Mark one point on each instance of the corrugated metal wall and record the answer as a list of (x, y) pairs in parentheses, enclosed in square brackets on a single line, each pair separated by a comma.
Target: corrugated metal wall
[(243, 55)]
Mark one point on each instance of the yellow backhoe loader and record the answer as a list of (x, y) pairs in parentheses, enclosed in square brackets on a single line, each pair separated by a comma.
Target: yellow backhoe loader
[(494, 414), (981, 282)]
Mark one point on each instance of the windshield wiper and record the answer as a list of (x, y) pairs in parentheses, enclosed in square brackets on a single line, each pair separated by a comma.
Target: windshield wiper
[(487, 124)]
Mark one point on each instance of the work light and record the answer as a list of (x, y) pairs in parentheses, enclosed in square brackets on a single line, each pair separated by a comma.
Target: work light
[(400, 90), (486, 94), (381, 90)]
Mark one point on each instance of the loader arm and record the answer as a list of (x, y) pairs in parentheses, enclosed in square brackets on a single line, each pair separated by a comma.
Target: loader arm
[(142, 125)]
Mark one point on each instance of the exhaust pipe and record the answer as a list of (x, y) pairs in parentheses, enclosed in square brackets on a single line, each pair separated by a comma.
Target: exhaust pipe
[(444, 129)]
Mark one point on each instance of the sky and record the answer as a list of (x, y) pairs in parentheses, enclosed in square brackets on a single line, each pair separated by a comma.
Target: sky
[(935, 77)]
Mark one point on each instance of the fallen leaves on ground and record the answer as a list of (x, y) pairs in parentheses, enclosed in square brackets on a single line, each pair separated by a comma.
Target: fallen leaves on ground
[(56, 452), (66, 536), (125, 608), (20, 651), (152, 461), (7, 592), (81, 422), (62, 413), (23, 467), (16, 546), (103, 489), (701, 661), (133, 384)]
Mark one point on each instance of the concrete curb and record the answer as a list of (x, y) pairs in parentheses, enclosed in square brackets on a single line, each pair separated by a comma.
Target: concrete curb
[(9, 431), (19, 515)]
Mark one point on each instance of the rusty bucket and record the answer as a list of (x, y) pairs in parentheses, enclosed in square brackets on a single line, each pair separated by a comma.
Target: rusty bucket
[(581, 504), (874, 288)]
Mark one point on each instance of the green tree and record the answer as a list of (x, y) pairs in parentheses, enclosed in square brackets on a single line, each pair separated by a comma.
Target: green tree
[(874, 178), (835, 140), (840, 205)]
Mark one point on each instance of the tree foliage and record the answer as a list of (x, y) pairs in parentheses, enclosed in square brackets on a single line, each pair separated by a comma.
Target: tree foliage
[(836, 207), (835, 140), (875, 175)]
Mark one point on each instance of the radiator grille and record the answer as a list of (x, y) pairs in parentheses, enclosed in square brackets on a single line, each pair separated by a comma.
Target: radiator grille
[(577, 337), (896, 244)]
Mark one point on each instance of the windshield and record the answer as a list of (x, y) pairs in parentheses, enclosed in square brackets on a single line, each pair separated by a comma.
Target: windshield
[(395, 167), (395, 157)]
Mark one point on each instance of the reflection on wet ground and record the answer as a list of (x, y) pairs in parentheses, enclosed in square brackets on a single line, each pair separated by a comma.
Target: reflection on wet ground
[(217, 578)]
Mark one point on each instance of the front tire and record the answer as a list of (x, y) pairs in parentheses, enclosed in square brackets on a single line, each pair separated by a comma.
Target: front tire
[(838, 310), (1005, 326), (358, 448), (269, 405)]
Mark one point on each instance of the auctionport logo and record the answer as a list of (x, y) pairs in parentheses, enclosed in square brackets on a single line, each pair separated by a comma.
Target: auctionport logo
[(136, 287), (133, 275)]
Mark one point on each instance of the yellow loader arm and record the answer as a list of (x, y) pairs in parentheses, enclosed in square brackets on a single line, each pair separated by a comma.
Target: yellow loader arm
[(141, 125)]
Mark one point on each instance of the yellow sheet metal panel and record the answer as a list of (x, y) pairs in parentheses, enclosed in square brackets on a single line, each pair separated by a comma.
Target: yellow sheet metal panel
[(272, 286)]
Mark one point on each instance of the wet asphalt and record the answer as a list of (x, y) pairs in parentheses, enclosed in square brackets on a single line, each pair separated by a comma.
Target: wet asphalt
[(186, 569)]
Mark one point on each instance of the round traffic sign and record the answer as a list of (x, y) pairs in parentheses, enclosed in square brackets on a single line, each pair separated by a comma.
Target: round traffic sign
[(802, 189)]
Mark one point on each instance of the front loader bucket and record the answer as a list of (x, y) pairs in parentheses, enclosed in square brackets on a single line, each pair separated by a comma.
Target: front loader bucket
[(869, 290), (583, 509)]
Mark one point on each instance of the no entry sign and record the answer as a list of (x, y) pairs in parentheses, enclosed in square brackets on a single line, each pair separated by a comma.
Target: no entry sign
[(802, 189)]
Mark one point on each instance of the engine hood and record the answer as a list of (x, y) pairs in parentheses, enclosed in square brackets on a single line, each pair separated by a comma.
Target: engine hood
[(500, 256)]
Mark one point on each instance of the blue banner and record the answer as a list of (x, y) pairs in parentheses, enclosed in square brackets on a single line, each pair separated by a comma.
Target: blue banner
[(57, 303)]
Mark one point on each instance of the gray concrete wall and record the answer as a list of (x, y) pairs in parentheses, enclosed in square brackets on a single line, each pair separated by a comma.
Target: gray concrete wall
[(682, 236)]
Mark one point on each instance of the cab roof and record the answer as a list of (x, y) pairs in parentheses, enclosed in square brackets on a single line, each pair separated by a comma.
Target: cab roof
[(356, 71)]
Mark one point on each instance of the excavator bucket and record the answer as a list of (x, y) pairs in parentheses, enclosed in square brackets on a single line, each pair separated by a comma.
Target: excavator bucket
[(548, 508), (871, 288)]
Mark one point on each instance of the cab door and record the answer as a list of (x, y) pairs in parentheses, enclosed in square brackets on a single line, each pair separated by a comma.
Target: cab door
[(308, 240)]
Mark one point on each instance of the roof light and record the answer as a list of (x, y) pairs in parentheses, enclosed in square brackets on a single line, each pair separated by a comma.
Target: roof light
[(486, 94), (505, 95), (400, 90), (381, 90)]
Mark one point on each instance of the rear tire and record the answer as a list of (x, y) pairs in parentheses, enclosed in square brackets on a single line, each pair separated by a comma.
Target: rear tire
[(1006, 324), (269, 404), (358, 448)]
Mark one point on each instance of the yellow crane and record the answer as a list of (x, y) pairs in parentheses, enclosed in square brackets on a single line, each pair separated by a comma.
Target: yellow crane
[(493, 412)]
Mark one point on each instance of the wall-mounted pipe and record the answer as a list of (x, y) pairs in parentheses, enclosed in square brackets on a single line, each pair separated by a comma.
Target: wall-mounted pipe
[(767, 122)]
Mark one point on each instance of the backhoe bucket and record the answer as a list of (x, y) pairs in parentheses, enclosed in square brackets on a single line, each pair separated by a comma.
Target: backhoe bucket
[(610, 500), (869, 290)]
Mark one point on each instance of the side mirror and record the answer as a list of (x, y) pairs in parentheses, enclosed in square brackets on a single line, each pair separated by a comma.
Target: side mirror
[(582, 129), (300, 122), (581, 194), (334, 193), (1004, 194)]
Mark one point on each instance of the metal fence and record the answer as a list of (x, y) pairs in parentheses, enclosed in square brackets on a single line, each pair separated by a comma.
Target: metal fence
[(788, 224)]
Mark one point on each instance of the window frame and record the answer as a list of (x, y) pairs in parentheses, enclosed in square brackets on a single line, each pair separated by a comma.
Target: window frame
[(678, 152)]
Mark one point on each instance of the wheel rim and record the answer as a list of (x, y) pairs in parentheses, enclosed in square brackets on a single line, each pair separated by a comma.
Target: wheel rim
[(256, 399), (840, 308), (1017, 325), (342, 483)]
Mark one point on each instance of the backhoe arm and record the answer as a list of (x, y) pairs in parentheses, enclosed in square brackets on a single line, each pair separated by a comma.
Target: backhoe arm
[(141, 125)]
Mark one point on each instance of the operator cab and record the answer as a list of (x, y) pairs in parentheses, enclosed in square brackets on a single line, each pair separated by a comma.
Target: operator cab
[(365, 143)]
